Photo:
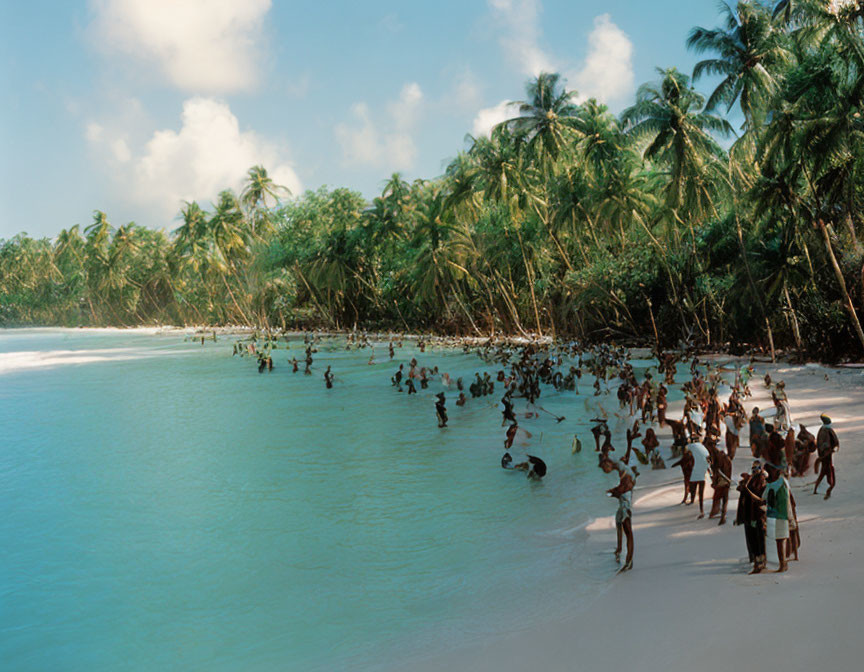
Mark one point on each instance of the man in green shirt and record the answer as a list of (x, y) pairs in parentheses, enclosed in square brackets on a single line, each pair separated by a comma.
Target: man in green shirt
[(779, 509)]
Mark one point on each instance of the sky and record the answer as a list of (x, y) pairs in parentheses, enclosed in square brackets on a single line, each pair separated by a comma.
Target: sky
[(134, 106)]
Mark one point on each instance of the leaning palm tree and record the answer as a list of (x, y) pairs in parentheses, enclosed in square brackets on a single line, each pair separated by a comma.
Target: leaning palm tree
[(750, 54), (259, 187)]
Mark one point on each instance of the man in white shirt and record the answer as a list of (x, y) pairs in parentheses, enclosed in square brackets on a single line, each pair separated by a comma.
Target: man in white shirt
[(700, 471)]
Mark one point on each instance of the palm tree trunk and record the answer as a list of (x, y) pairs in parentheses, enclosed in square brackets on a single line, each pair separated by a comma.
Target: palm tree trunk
[(653, 323), (753, 286), (465, 310), (850, 224), (847, 300), (796, 329), (234, 301), (325, 314), (530, 283)]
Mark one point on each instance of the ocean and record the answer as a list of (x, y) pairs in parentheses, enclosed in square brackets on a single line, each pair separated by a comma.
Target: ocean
[(168, 507)]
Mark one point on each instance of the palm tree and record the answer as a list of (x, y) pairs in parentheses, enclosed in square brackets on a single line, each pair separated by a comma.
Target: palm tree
[(751, 56), (669, 117), (259, 187), (670, 120), (548, 117), (814, 143)]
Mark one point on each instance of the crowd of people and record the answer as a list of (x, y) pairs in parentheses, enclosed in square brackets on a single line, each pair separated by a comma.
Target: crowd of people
[(703, 441)]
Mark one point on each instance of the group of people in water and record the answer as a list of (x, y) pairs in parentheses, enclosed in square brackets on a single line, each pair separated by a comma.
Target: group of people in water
[(766, 507)]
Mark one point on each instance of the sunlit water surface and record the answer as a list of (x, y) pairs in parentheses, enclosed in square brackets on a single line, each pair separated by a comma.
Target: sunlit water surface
[(167, 507)]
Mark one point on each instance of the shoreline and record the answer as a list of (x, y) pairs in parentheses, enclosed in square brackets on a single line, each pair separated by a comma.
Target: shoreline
[(689, 583), (783, 357), (689, 602)]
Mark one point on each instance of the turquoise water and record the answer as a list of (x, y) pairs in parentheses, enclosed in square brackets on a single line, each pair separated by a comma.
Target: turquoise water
[(167, 507)]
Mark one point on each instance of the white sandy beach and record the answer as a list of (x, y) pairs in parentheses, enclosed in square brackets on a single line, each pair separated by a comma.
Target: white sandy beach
[(689, 603)]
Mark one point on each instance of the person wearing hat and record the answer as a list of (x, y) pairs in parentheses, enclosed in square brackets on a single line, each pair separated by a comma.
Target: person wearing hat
[(441, 409), (827, 444)]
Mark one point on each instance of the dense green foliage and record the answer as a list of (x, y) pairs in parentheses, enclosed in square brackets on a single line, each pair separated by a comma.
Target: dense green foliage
[(663, 224)]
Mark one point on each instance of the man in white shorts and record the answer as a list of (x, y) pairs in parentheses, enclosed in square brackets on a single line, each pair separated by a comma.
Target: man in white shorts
[(776, 497)]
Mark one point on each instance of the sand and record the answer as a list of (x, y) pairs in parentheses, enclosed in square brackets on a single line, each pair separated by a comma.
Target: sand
[(689, 604)]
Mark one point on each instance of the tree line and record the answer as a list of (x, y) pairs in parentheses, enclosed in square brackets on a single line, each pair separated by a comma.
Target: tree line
[(663, 224)]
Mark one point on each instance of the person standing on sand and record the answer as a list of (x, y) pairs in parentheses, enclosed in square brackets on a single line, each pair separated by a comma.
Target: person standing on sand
[(776, 451), (751, 517), (733, 436), (624, 493), (700, 471), (779, 509), (789, 449), (722, 478), (624, 515), (757, 433), (827, 444), (804, 445), (686, 463)]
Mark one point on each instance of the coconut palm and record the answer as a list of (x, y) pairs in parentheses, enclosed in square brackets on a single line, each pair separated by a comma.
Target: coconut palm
[(669, 118), (258, 189), (548, 117), (751, 55)]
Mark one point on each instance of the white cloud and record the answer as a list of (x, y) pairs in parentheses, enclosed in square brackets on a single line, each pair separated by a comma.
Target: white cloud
[(607, 73), (404, 110), (488, 118), (120, 150), (394, 149), (465, 94), (520, 20), (209, 153), (199, 45), (93, 132)]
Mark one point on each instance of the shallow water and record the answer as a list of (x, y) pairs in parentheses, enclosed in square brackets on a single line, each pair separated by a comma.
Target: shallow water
[(167, 507)]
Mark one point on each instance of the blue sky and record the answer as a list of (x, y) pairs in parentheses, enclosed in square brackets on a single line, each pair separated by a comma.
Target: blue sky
[(131, 106)]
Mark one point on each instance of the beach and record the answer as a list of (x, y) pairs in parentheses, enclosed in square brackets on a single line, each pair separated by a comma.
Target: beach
[(475, 565), (689, 602)]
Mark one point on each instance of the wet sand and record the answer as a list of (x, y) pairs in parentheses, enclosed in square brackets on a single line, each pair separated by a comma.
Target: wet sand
[(689, 603)]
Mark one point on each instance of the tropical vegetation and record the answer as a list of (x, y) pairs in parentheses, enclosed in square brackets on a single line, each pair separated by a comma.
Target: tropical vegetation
[(729, 216)]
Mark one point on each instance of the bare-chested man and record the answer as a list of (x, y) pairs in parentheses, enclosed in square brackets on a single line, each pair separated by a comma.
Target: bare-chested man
[(624, 516), (827, 444)]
